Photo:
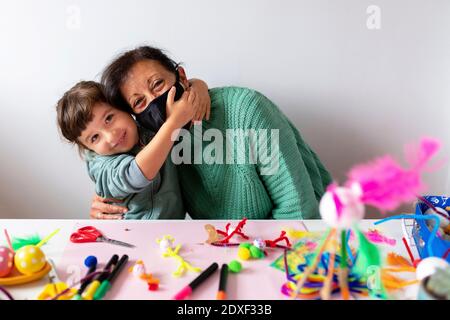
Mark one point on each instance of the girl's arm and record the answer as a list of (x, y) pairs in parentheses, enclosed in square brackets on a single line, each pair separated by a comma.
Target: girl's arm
[(152, 157), (117, 177)]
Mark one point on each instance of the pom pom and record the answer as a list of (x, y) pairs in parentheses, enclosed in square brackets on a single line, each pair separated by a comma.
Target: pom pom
[(340, 207), (90, 261), (256, 252), (153, 286), (259, 243), (244, 253), (235, 266)]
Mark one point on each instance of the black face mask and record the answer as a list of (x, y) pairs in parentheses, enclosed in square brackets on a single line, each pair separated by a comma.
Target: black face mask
[(154, 116)]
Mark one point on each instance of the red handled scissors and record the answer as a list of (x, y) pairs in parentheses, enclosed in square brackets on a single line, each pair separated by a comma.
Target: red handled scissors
[(92, 234)]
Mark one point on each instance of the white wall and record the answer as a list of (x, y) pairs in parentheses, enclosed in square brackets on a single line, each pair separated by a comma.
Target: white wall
[(353, 92)]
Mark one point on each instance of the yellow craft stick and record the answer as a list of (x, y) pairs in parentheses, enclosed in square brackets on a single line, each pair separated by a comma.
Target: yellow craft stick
[(316, 259), (45, 240)]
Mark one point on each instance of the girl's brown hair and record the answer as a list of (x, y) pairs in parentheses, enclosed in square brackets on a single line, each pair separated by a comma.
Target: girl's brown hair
[(74, 110)]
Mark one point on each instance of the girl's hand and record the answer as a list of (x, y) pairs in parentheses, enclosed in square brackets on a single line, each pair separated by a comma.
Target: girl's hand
[(181, 111), (202, 103), (103, 210)]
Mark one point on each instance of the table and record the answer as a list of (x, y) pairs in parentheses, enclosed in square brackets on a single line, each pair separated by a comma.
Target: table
[(257, 281)]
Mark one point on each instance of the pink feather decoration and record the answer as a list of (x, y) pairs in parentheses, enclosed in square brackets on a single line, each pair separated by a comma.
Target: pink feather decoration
[(386, 185)]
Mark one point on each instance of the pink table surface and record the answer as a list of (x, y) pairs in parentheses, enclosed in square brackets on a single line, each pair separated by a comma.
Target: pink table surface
[(257, 280)]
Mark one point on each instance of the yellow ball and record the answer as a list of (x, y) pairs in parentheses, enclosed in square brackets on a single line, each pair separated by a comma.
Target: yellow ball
[(29, 259), (244, 253)]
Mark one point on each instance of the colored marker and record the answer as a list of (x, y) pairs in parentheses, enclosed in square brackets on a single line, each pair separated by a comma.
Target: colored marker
[(91, 263), (186, 291), (107, 284), (222, 293), (90, 291)]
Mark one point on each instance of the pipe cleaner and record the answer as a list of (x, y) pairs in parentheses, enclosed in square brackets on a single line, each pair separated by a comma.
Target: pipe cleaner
[(166, 245), (230, 231), (382, 183)]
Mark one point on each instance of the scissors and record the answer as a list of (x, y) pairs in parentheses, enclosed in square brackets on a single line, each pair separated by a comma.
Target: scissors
[(92, 234)]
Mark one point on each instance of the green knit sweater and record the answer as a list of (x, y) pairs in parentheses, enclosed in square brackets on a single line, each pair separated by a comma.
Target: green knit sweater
[(233, 191)]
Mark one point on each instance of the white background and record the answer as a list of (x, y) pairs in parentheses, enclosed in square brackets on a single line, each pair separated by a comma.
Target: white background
[(353, 92)]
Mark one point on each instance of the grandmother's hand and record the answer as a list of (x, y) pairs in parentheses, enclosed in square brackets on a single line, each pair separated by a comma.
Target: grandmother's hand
[(202, 103), (101, 208)]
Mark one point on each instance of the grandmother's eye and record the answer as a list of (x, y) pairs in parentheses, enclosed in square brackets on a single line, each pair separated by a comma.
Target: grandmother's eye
[(157, 83), (137, 102)]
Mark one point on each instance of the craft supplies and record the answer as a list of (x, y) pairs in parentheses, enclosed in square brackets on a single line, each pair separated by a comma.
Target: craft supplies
[(325, 292), (317, 285), (429, 245), (429, 265), (18, 243), (299, 234), (30, 259), (89, 293), (398, 263), (92, 234), (235, 266), (213, 236), (382, 183), (441, 213), (436, 286), (138, 271), (6, 257), (6, 261), (30, 263), (376, 237), (231, 231), (107, 283), (6, 293), (221, 293), (410, 254), (425, 231), (166, 245), (55, 286), (315, 261), (91, 263), (186, 291)]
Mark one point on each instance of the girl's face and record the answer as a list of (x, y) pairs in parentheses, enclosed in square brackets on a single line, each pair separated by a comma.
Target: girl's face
[(111, 131), (147, 80)]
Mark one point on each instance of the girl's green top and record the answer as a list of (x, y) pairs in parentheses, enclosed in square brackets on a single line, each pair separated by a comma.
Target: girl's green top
[(285, 184), (119, 177)]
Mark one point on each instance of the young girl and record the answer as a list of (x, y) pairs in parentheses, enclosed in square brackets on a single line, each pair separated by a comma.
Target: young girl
[(125, 161)]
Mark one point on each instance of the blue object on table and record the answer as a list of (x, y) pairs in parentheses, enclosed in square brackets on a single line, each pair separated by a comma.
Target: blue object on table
[(421, 231)]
